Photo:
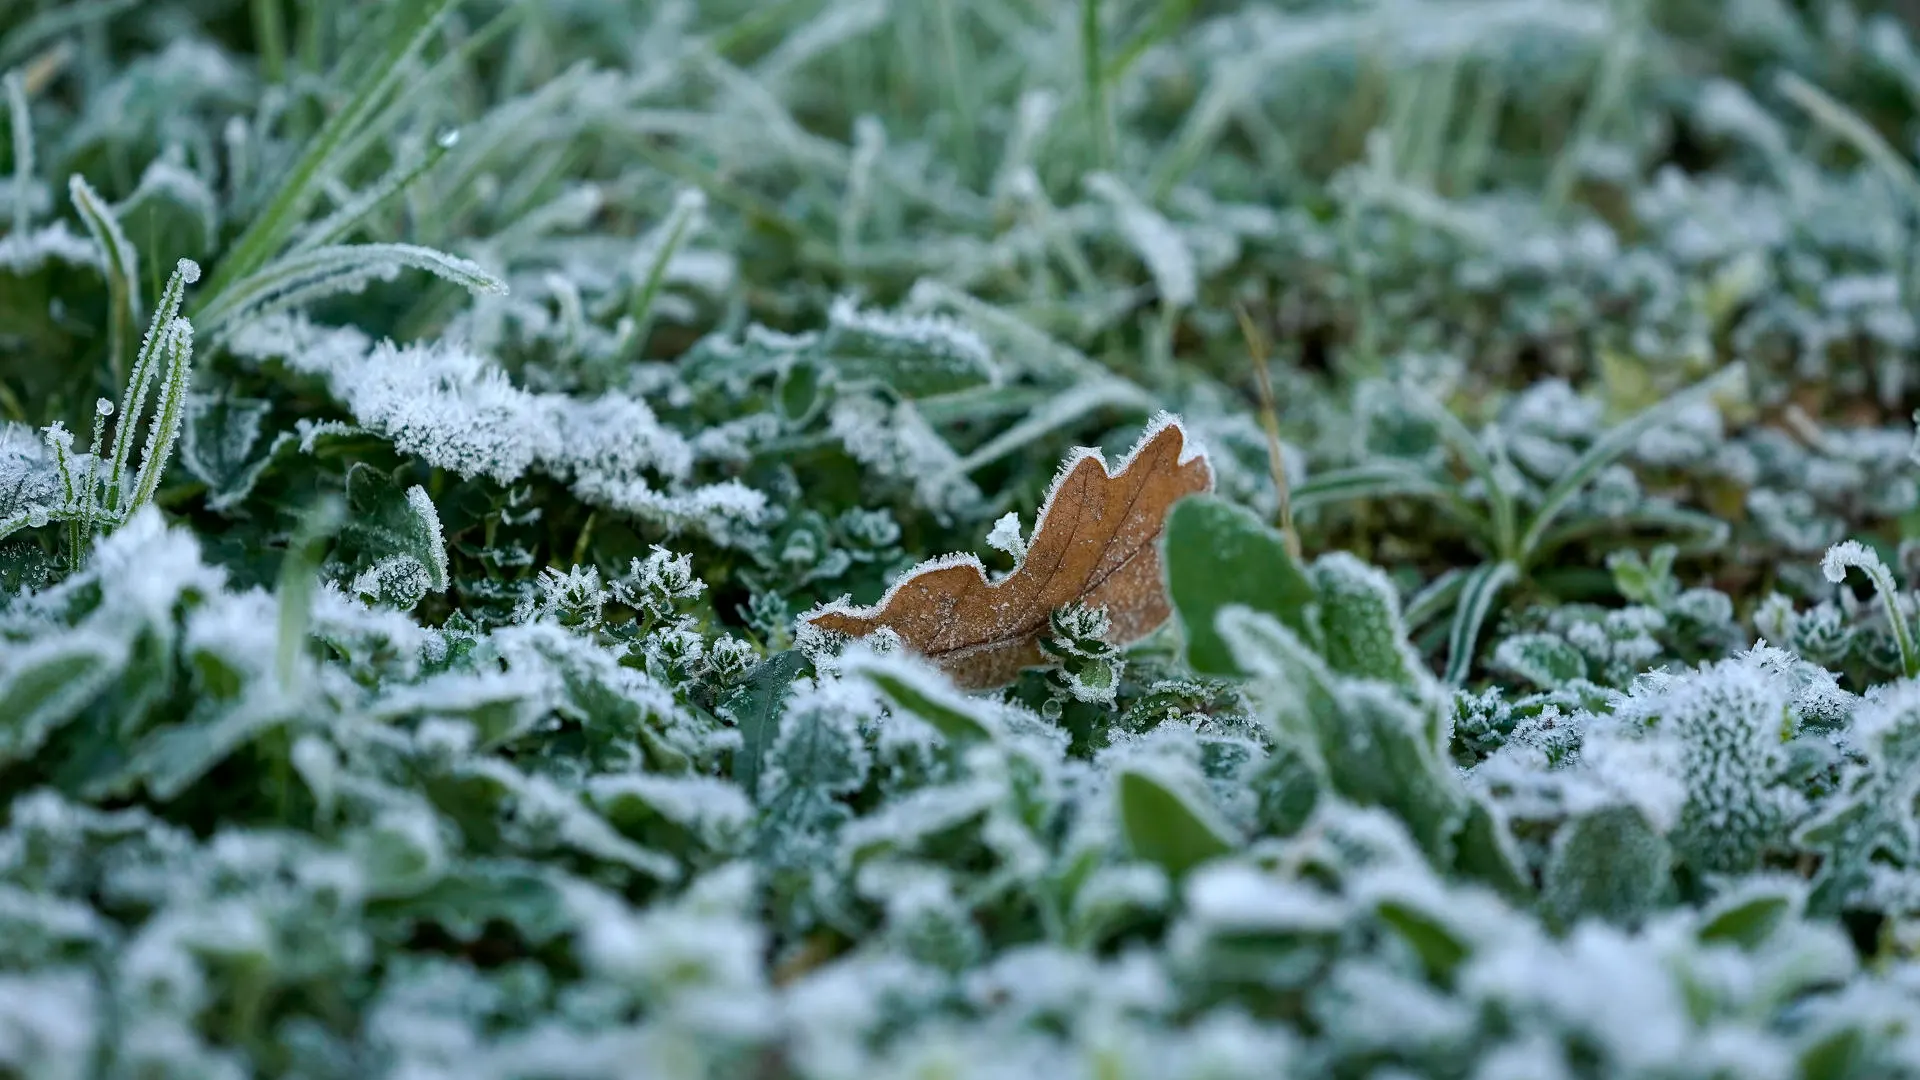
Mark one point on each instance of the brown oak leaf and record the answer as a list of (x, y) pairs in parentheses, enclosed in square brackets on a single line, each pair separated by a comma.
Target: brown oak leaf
[(1095, 542)]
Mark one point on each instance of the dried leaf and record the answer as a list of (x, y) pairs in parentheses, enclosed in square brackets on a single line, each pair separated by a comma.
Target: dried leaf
[(1095, 543)]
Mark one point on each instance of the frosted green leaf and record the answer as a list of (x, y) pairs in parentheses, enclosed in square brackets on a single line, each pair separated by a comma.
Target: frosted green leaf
[(914, 355), (1609, 863), (384, 522), (755, 711), (1167, 822), (1214, 554), (1361, 631), (45, 684), (217, 443), (1545, 660)]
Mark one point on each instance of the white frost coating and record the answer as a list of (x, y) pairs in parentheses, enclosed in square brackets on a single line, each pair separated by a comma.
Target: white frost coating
[(423, 507), (1849, 554), (398, 579), (1647, 772), (151, 566), (697, 960), (896, 442), (939, 335), (707, 803), (1050, 982), (229, 626), (1624, 998), (456, 410), (1159, 244), (1190, 451), (25, 253), (1235, 897), (48, 1023), (901, 824), (336, 616)]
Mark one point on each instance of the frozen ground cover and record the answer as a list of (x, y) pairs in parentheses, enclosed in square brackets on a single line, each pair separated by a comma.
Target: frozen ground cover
[(429, 427)]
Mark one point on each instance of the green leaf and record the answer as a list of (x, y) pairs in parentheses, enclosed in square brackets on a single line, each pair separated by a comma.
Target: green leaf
[(1215, 554), (1750, 916), (800, 391), (172, 759), (1694, 531), (1841, 1053), (1545, 660), (1379, 479), (217, 444), (1484, 850), (46, 683), (1608, 864), (754, 709), (1379, 753), (518, 894), (1378, 747), (1165, 824), (1440, 950), (1361, 631), (951, 714), (1287, 786), (400, 854), (382, 520), (914, 356)]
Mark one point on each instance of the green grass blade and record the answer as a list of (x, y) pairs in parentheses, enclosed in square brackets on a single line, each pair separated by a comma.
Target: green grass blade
[(21, 121), (1478, 592), (1696, 531), (412, 22), (1609, 447), (1094, 74), (1456, 435), (122, 264), (133, 400)]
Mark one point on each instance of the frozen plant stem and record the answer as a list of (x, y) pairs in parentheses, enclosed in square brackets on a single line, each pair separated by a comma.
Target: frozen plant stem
[(1270, 421), (82, 527), (270, 35), (1854, 554), (1848, 125), (165, 429), (133, 401)]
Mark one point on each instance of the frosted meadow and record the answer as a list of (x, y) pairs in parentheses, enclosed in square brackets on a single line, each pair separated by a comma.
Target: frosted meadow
[(829, 539)]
